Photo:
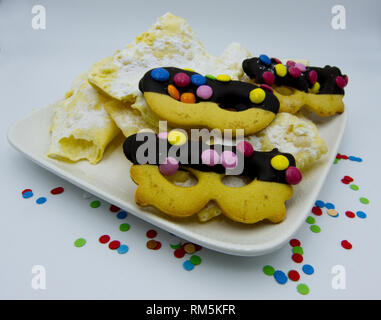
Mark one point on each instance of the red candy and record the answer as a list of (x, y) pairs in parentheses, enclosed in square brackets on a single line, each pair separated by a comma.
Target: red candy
[(179, 253), (268, 77), (312, 76), (346, 79), (151, 233), (114, 208), (317, 211), (158, 245), (293, 175), (265, 86), (294, 72), (290, 63), (340, 82), (26, 190), (346, 244), (348, 178), (345, 181), (181, 79), (104, 239), (246, 148)]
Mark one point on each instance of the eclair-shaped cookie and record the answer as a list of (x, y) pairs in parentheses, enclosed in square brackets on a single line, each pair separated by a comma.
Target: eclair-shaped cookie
[(321, 90), (271, 175), (187, 100)]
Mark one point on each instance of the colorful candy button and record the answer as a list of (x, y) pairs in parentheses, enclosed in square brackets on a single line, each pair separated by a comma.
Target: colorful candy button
[(204, 92), (104, 239), (196, 260), (293, 275), (280, 277), (280, 162), (308, 269), (265, 59), (151, 233), (181, 80), (317, 211), (303, 289), (188, 266), (257, 95), (176, 137), (295, 243), (246, 148), (198, 79), (27, 194), (316, 87), (210, 157), (211, 77), (280, 70), (266, 86), (294, 72), (160, 74), (80, 242), (229, 159), (293, 175), (113, 245), (320, 203), (346, 244), (312, 76), (329, 205), (169, 167), (290, 63), (340, 82), (268, 270), (57, 190), (188, 97), (268, 77), (122, 249), (173, 92), (223, 78), (41, 200), (361, 214), (300, 66)]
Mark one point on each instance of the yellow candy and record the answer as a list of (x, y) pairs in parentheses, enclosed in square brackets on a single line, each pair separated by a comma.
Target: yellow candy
[(176, 138), (315, 88), (280, 162), (257, 95), (223, 78), (280, 70), (188, 69)]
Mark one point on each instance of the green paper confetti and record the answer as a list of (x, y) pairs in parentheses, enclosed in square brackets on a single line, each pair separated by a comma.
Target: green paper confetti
[(354, 187), (303, 289), (310, 220), (124, 227), (315, 228), (80, 242), (268, 270), (95, 204)]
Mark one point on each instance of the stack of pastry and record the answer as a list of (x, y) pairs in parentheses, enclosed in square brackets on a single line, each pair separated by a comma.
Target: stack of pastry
[(167, 74)]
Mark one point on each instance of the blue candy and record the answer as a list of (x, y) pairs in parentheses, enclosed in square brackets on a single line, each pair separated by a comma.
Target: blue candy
[(361, 214), (280, 277), (198, 79), (320, 204), (122, 249), (330, 205), (160, 74), (41, 200), (265, 59), (121, 215), (27, 194), (188, 266)]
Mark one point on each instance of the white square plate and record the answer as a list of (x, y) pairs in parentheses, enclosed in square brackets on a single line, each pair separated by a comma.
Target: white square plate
[(110, 180)]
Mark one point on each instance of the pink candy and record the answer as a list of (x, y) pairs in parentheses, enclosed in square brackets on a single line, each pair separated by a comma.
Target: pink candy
[(181, 79), (312, 76), (266, 86), (246, 148), (210, 157), (294, 72), (268, 77), (340, 82), (169, 167), (228, 159), (293, 175), (290, 63), (204, 92), (300, 66)]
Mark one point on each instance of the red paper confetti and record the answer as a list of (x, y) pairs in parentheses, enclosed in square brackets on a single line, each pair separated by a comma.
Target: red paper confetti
[(179, 253), (293, 275), (158, 245), (295, 243), (298, 258), (57, 190), (151, 233), (114, 208), (350, 214), (104, 239), (115, 244), (346, 244), (317, 211)]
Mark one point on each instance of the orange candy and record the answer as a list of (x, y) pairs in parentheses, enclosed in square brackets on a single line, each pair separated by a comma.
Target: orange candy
[(173, 92), (188, 97)]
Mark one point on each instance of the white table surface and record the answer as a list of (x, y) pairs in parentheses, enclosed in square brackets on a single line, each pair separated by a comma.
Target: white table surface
[(37, 67)]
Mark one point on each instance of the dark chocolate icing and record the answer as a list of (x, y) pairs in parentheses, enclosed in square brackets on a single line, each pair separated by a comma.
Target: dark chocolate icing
[(257, 166), (232, 94), (255, 68)]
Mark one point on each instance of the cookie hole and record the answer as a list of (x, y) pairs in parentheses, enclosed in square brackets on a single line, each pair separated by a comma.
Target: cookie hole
[(182, 178), (285, 91), (235, 181)]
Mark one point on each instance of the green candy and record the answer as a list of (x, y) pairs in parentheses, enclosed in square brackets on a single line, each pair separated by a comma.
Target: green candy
[(303, 289), (354, 187), (80, 242), (124, 227), (364, 200), (315, 228), (95, 204), (195, 260), (310, 220), (297, 250), (268, 270)]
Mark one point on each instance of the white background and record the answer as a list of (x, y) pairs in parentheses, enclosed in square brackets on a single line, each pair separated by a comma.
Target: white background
[(37, 67)]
